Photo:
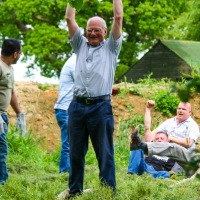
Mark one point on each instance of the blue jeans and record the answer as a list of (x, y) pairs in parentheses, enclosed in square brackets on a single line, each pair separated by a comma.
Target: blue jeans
[(62, 119), (3, 153), (137, 165), (95, 121)]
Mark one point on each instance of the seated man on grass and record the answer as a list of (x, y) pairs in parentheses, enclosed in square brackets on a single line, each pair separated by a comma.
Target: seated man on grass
[(182, 133), (157, 166)]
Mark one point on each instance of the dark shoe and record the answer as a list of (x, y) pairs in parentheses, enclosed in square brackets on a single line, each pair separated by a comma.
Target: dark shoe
[(135, 140), (144, 147)]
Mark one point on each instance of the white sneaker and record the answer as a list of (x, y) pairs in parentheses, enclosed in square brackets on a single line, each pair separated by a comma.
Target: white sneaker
[(87, 190), (63, 194)]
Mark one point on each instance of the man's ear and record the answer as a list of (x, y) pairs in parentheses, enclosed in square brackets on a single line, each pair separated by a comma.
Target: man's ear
[(105, 31), (15, 55)]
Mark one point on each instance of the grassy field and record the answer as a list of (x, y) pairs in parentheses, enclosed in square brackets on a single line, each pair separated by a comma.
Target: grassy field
[(33, 175), (33, 171)]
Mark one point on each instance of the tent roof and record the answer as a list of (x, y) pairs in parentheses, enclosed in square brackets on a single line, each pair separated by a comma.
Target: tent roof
[(187, 50)]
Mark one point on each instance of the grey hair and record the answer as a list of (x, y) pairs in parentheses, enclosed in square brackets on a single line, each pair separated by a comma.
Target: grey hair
[(101, 19)]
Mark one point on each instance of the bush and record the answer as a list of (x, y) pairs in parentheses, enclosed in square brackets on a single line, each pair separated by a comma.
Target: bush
[(166, 102)]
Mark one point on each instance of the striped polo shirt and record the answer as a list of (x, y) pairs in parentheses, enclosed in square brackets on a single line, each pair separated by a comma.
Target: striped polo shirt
[(95, 70)]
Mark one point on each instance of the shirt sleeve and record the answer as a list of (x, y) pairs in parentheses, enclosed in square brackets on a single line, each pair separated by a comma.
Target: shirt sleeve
[(193, 131), (76, 40), (115, 45)]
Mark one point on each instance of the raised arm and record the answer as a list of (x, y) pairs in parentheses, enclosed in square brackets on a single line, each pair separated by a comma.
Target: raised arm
[(149, 135), (118, 18), (70, 19)]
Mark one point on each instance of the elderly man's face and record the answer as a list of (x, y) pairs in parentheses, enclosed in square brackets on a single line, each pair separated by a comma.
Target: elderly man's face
[(183, 111), (95, 32)]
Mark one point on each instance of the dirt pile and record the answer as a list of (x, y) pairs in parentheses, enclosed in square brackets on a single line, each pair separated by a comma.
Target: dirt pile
[(38, 107)]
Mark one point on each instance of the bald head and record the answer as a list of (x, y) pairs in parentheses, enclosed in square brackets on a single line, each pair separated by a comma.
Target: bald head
[(96, 30), (97, 20), (186, 104)]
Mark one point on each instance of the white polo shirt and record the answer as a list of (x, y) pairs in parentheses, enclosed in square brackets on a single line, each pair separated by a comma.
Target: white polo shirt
[(186, 129)]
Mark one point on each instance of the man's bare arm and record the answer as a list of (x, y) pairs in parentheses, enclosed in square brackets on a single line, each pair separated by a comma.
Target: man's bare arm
[(71, 21), (14, 103), (118, 19), (149, 135), (185, 142)]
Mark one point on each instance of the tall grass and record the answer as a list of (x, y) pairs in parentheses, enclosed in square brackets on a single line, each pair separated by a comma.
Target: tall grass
[(33, 173)]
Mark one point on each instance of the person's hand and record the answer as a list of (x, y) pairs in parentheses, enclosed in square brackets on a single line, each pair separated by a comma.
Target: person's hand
[(3, 125), (21, 123), (150, 103)]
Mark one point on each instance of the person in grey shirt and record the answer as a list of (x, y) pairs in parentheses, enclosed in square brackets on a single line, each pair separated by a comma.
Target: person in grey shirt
[(10, 54), (90, 112)]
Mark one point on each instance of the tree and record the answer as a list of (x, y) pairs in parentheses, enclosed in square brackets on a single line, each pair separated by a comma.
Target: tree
[(39, 24), (187, 25), (194, 22), (145, 21)]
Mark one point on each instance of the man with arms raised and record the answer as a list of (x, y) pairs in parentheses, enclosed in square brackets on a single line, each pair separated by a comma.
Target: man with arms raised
[(90, 112)]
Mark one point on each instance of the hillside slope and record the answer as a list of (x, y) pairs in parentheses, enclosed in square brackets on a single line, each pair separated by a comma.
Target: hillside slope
[(38, 107)]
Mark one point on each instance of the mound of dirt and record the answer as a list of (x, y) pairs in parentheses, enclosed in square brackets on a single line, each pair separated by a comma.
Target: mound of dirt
[(38, 106)]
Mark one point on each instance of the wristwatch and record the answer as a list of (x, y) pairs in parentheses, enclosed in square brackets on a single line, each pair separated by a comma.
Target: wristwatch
[(170, 138)]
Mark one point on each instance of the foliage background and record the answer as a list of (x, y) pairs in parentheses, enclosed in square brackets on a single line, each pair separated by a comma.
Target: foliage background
[(40, 24)]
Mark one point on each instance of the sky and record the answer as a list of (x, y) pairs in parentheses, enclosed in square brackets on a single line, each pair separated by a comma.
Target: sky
[(20, 74)]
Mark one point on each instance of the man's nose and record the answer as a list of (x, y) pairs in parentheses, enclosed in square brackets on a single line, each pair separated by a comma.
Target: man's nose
[(93, 32)]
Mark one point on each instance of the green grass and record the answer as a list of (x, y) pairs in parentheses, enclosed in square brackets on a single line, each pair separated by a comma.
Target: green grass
[(33, 173), (47, 86), (146, 87)]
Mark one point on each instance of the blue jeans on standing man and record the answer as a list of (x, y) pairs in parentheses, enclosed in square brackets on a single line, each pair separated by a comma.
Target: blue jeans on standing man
[(62, 119), (95, 121), (137, 165), (3, 153)]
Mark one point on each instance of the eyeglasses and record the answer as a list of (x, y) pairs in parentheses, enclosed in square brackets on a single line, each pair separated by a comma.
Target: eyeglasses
[(96, 30)]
